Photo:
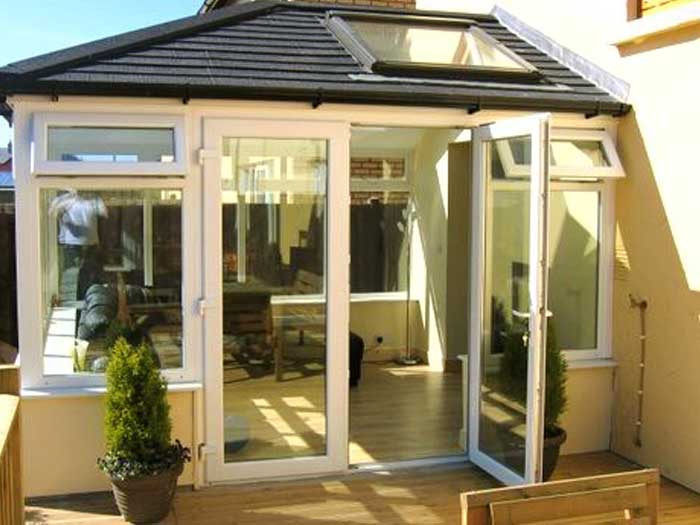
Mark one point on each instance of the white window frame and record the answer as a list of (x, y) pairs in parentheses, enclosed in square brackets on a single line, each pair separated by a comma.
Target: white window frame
[(31, 304), (606, 241), (41, 165), (614, 171)]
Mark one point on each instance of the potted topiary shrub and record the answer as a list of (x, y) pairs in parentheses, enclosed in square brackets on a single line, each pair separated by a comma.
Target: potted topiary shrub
[(141, 461), (514, 378)]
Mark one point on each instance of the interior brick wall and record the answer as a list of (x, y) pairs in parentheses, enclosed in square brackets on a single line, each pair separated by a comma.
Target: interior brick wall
[(377, 168)]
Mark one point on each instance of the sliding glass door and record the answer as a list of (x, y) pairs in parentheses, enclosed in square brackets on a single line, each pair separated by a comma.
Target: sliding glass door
[(509, 298)]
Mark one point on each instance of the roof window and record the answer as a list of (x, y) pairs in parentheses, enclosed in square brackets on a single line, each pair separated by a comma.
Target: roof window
[(426, 46)]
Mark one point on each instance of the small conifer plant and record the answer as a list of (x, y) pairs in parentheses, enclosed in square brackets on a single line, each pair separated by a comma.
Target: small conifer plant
[(137, 416), (514, 376)]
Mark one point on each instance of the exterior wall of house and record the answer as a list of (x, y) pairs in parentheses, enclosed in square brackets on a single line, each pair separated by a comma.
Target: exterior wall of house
[(658, 254), (62, 435), (62, 439)]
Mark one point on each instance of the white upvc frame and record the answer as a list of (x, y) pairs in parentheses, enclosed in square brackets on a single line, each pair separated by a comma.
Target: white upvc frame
[(78, 175), (614, 171), (536, 127), (337, 135), (606, 241), (41, 165)]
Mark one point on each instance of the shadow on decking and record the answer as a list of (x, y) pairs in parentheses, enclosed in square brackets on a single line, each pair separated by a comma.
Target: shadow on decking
[(402, 497)]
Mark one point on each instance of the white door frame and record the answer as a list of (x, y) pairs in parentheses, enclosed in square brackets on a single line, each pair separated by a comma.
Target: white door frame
[(537, 127), (337, 295)]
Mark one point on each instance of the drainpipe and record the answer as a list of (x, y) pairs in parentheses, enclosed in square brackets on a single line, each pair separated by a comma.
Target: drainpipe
[(642, 304)]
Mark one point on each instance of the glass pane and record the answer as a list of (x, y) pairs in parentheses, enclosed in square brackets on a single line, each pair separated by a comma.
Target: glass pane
[(91, 144), (504, 360), (8, 273), (274, 324), (111, 265), (578, 154), (573, 275), (513, 156), (378, 225), (398, 42)]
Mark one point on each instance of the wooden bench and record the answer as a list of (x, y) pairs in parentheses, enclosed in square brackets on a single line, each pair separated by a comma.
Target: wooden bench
[(627, 498)]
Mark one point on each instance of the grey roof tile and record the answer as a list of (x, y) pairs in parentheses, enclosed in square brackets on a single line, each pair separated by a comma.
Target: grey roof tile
[(281, 50)]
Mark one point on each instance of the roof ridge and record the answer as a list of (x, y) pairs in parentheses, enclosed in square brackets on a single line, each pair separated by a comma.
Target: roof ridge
[(148, 35), (332, 6)]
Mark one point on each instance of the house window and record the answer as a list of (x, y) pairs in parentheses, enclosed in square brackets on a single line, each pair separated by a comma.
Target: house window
[(643, 8), (580, 239), (111, 209), (379, 215), (99, 144), (427, 46), (111, 266), (573, 154)]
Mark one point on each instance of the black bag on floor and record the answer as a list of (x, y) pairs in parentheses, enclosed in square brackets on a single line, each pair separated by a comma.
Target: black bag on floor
[(357, 350)]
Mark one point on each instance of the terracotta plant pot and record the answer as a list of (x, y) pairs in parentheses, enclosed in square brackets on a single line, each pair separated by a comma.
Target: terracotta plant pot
[(552, 444), (146, 499)]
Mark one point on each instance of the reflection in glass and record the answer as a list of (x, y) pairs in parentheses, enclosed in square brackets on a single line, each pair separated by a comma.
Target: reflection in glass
[(378, 242), (578, 153), (111, 264), (574, 226), (91, 144), (503, 411), (412, 43), (513, 158), (274, 303)]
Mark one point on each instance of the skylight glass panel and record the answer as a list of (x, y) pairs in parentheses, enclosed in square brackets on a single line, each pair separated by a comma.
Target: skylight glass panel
[(433, 44)]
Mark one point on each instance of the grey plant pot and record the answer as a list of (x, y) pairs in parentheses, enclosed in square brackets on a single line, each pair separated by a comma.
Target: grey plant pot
[(146, 499), (551, 453)]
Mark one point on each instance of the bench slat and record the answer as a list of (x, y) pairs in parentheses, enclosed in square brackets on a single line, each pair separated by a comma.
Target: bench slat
[(570, 505)]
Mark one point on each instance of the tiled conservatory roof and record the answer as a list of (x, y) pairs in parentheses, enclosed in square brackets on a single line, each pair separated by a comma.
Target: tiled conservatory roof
[(284, 51)]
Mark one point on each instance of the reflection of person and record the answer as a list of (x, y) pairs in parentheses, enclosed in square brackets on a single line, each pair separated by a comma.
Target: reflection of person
[(78, 237)]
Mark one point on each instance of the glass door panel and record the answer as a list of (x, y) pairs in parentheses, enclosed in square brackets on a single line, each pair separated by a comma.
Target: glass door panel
[(503, 396), (276, 338), (274, 299), (508, 328)]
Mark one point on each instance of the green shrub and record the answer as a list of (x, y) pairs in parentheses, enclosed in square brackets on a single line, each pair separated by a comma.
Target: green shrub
[(514, 375), (137, 416)]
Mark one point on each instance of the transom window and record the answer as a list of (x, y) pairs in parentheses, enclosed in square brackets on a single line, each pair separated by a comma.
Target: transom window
[(106, 144), (93, 144), (426, 45)]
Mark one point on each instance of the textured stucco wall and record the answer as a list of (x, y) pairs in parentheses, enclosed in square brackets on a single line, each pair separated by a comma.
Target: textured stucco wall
[(62, 439)]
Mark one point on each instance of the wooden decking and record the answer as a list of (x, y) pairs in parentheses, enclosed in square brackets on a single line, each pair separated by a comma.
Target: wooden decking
[(416, 496)]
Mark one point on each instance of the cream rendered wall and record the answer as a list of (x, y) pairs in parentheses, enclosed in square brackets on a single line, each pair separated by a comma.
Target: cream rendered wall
[(62, 439), (658, 256)]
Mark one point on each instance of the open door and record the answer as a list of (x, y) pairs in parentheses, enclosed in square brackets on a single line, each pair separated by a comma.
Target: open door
[(509, 298)]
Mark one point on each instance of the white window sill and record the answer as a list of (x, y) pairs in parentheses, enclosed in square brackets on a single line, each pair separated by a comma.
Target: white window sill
[(658, 23), (93, 391), (585, 364)]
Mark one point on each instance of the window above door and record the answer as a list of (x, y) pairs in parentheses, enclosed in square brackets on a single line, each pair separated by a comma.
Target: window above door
[(582, 155), (108, 144)]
